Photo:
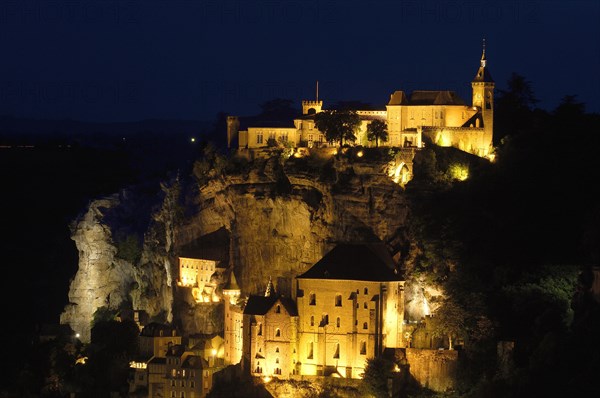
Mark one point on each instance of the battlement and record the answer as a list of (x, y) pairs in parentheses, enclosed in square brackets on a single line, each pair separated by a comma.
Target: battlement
[(312, 103), (311, 107)]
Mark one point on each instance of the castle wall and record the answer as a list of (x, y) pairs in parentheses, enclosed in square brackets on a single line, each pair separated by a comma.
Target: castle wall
[(433, 369)]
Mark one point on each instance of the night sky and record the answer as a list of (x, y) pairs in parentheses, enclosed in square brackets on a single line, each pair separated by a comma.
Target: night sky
[(125, 60)]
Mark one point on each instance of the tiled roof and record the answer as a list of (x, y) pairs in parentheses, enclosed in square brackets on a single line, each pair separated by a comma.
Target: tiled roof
[(398, 98), (260, 305), (421, 97), (353, 262)]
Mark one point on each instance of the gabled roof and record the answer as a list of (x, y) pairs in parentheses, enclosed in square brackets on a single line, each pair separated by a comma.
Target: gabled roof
[(260, 305), (353, 262), (213, 246), (398, 98), (423, 97)]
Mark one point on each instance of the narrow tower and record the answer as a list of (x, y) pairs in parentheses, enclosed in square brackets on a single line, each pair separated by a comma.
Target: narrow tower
[(483, 98), (312, 107)]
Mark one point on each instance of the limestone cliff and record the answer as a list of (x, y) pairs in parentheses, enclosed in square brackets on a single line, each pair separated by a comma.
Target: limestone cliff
[(280, 216)]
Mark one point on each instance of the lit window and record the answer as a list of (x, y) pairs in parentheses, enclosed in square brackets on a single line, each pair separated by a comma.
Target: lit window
[(259, 137)]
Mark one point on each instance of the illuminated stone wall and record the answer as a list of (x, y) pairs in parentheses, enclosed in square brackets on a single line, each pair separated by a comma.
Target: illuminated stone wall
[(270, 349), (342, 323), (233, 329), (433, 369)]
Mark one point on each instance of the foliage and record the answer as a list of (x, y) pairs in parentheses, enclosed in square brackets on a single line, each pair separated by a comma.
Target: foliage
[(212, 163), (377, 131), (375, 377), (103, 314), (338, 125), (129, 247)]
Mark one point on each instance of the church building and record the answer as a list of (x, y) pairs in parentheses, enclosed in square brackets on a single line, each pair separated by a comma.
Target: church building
[(346, 308)]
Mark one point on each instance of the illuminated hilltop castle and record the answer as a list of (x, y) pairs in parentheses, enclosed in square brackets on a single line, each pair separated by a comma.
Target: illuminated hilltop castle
[(346, 308), (441, 116)]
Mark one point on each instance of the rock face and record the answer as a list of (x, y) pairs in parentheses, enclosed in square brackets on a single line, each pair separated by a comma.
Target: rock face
[(281, 217)]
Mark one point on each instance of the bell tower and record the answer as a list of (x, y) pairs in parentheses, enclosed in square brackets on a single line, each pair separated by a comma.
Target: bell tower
[(483, 95)]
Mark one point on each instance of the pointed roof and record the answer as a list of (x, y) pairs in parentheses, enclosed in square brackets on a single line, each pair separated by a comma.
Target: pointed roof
[(232, 285), (483, 74), (270, 290), (357, 262)]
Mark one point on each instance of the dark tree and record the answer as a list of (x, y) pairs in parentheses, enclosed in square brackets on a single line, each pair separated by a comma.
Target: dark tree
[(377, 130), (338, 125), (514, 107)]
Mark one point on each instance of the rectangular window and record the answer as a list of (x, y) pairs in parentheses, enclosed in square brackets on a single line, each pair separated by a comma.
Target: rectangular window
[(312, 299), (338, 300), (259, 137), (363, 348)]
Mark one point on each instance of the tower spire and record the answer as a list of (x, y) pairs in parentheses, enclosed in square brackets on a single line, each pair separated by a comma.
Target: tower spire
[(483, 55), (270, 290)]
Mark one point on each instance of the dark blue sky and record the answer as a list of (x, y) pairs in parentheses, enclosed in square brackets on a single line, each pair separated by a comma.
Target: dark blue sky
[(120, 60)]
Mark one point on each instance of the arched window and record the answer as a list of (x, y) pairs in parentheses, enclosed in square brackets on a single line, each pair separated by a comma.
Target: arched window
[(366, 290), (278, 309), (277, 332), (276, 349)]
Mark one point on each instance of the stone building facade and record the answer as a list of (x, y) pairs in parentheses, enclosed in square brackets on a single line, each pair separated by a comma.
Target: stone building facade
[(346, 308), (441, 116)]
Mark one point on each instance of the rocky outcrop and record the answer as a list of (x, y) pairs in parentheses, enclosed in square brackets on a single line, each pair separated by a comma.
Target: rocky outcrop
[(281, 216)]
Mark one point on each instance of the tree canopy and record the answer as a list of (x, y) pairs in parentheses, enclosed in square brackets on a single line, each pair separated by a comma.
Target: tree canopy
[(376, 131), (338, 125)]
